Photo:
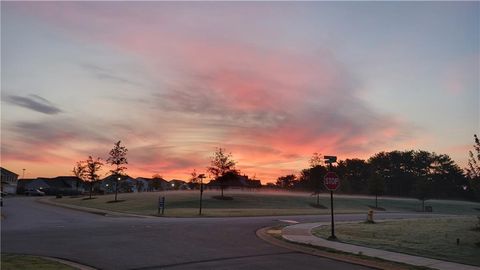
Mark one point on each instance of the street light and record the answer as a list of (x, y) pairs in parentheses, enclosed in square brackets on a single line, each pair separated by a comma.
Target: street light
[(116, 187)]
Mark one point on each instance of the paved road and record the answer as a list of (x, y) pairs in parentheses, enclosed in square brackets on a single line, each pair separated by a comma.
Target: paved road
[(103, 242)]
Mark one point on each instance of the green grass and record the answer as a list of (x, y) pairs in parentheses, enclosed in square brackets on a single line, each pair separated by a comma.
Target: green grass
[(27, 262), (255, 203), (435, 238)]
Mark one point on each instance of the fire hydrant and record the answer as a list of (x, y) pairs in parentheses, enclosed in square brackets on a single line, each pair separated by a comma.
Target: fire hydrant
[(370, 216)]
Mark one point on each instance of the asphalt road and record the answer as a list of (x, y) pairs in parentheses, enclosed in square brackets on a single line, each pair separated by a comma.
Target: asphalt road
[(29, 227)]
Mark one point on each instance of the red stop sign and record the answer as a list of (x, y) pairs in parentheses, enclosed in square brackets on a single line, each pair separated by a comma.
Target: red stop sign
[(331, 181)]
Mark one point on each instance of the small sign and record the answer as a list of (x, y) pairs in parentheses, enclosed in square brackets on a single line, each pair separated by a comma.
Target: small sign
[(331, 181), (161, 202), (161, 205), (330, 159)]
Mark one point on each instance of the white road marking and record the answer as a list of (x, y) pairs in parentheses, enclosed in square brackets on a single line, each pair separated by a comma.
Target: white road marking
[(288, 221)]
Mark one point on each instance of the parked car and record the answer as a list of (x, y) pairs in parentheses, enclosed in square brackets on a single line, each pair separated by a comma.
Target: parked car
[(34, 192)]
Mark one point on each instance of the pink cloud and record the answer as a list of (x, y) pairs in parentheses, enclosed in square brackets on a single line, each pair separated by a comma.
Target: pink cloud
[(271, 107)]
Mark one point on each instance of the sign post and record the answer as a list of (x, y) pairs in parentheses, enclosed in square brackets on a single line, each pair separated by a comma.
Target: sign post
[(201, 176), (331, 182), (161, 205)]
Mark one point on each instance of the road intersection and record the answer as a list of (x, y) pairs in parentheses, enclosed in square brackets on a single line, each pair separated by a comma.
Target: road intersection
[(108, 242)]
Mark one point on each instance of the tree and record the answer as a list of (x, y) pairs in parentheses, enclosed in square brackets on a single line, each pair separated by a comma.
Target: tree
[(473, 169), (316, 160), (221, 164), (117, 158), (356, 173), (157, 176), (287, 181), (92, 166), (376, 186), (79, 170), (422, 189), (194, 179)]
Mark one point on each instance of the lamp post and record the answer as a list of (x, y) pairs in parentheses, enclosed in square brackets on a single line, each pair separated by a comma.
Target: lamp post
[(201, 176), (116, 187)]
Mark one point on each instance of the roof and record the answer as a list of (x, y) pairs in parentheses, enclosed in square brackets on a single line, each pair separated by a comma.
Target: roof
[(3, 170), (55, 182)]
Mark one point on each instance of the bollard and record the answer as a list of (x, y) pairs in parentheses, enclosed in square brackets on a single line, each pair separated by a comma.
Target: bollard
[(458, 241)]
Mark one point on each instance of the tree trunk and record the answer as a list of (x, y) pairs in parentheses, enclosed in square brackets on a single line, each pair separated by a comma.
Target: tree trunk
[(91, 190), (116, 189), (423, 205), (376, 200), (221, 187)]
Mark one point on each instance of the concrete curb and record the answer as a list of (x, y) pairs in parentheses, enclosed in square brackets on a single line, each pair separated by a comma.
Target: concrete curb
[(301, 233), (106, 213), (346, 258), (69, 263)]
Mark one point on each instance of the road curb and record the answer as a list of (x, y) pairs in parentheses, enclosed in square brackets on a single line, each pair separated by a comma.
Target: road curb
[(69, 263), (302, 234), (262, 234), (90, 210)]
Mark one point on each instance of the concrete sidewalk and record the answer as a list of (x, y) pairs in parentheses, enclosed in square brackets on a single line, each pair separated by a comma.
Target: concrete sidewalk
[(301, 233)]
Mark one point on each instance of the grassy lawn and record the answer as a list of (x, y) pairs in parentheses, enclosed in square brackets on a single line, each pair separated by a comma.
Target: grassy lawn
[(435, 238), (256, 203), (26, 262)]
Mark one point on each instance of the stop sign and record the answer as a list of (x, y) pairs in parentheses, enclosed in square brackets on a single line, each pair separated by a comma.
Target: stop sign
[(331, 181)]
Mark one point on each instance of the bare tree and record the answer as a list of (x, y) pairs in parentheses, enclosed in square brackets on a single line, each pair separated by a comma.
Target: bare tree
[(222, 167), (118, 158), (92, 166), (80, 171)]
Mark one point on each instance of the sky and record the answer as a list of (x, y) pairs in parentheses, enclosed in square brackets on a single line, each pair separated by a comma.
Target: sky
[(270, 82)]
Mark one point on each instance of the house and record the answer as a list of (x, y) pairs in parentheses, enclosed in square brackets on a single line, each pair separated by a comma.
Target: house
[(156, 184), (27, 184), (142, 184), (9, 181), (108, 184), (178, 184), (66, 185)]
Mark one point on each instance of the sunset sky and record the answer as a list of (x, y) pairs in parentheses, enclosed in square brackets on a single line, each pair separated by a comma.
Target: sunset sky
[(271, 82)]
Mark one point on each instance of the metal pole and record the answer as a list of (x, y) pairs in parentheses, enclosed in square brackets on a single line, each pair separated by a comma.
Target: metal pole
[(201, 176), (332, 237), (331, 210), (201, 195)]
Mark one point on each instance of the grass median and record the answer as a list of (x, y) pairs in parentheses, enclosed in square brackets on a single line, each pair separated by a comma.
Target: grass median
[(27, 262), (256, 203), (435, 238)]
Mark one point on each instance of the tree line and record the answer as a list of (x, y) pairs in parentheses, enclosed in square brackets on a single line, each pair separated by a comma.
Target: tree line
[(420, 174)]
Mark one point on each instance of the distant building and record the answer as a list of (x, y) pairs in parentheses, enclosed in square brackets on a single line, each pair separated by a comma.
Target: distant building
[(125, 184), (27, 184), (66, 185), (178, 184), (9, 181)]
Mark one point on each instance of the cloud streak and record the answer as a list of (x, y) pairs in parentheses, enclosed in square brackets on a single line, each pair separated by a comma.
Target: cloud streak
[(34, 103), (270, 105)]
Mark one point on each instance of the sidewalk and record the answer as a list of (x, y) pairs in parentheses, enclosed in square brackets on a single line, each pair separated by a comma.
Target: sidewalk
[(301, 233)]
